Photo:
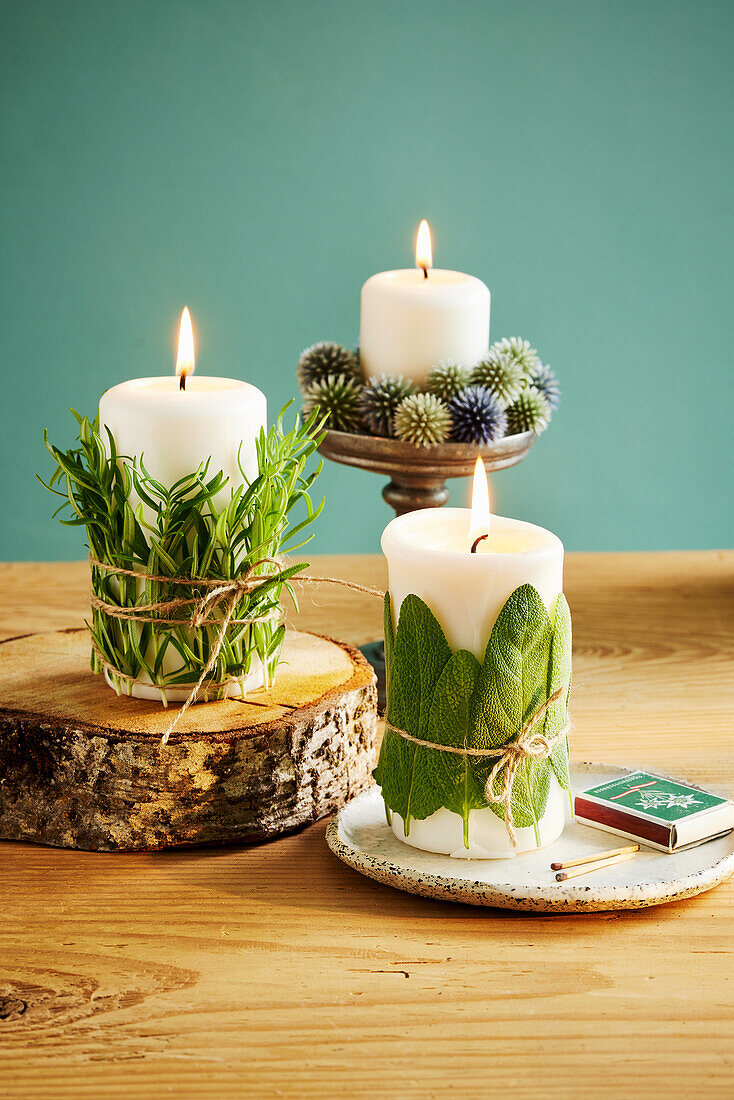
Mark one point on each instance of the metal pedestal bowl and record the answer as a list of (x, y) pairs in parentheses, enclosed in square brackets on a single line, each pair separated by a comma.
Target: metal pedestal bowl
[(418, 474)]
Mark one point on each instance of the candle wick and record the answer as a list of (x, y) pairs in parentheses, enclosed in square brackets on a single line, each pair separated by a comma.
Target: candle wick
[(424, 268), (477, 541), (182, 382)]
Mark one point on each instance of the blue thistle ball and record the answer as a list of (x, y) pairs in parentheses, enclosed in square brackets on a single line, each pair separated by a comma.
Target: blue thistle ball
[(379, 401), (477, 416), (545, 381)]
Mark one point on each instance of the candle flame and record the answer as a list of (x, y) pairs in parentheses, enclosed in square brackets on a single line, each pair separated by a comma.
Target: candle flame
[(423, 250), (185, 361), (479, 523)]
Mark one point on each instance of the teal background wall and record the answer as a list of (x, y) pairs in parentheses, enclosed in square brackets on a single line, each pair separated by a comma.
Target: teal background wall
[(258, 160)]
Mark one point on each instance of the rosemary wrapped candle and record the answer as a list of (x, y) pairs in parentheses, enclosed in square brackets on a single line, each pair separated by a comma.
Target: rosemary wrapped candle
[(185, 498), (474, 763)]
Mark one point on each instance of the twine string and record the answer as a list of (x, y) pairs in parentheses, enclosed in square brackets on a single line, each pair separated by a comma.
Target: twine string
[(204, 607), (243, 584), (529, 744)]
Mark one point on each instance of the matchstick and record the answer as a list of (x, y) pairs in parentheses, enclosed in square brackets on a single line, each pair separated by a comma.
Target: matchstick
[(562, 876), (594, 858)]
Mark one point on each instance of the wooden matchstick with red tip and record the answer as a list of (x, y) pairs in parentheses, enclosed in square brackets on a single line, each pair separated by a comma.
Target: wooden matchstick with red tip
[(587, 864)]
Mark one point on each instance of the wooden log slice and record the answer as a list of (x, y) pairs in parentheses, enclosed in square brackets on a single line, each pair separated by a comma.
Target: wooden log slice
[(82, 768)]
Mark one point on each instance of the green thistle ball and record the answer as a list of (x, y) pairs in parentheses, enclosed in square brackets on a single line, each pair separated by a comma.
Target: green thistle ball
[(529, 413), (338, 395), (380, 398), (321, 360), (544, 380), (520, 350), (501, 374), (446, 380), (422, 419)]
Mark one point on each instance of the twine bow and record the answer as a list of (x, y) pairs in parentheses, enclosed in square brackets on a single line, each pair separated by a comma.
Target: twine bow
[(529, 744)]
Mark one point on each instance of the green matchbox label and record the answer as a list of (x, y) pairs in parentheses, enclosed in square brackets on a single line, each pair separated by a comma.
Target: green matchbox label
[(655, 798)]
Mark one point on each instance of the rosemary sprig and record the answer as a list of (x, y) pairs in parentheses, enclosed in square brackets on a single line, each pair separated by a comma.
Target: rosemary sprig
[(192, 530)]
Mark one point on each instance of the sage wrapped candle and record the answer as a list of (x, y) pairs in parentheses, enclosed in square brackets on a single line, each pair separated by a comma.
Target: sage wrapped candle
[(477, 645)]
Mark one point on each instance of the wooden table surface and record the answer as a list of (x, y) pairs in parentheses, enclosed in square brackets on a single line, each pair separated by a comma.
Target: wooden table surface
[(277, 971)]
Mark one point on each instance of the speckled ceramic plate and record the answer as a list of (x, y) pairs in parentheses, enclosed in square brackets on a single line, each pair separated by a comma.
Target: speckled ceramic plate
[(360, 836)]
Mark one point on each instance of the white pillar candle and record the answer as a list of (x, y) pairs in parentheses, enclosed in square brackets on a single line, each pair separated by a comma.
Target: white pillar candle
[(175, 430), (173, 424), (428, 554), (417, 317)]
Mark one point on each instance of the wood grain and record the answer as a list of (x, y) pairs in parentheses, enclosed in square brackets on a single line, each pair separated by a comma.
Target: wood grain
[(276, 971)]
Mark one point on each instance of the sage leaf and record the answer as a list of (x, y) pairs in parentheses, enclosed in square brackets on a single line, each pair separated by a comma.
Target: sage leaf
[(530, 792), (450, 724), (559, 676), (419, 654), (513, 678), (389, 633), (419, 657), (524, 798), (511, 686)]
